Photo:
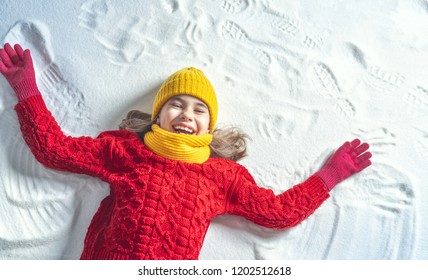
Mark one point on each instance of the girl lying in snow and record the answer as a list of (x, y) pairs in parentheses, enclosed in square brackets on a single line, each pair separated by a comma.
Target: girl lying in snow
[(170, 176)]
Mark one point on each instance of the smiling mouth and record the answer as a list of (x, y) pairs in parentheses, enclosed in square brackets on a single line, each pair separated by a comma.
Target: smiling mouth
[(183, 130)]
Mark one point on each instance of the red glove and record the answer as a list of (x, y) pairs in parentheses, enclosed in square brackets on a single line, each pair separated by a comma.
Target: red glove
[(349, 159), (16, 66)]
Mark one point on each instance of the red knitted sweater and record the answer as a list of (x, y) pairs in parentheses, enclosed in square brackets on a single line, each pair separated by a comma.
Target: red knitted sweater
[(158, 208)]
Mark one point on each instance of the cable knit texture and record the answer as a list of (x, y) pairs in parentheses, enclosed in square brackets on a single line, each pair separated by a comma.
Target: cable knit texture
[(158, 208)]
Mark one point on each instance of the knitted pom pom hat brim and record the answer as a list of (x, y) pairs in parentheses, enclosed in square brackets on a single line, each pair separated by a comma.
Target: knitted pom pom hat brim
[(189, 81)]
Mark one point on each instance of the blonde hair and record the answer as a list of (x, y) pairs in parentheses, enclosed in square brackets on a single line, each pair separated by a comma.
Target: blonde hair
[(228, 142)]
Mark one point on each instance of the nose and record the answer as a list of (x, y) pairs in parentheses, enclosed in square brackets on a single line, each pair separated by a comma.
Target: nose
[(186, 115)]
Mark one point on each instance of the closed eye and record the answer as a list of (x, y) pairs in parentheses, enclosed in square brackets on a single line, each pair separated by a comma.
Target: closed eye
[(200, 111), (200, 108)]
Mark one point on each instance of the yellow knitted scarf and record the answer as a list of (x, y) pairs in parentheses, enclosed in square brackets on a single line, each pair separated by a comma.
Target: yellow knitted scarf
[(188, 148)]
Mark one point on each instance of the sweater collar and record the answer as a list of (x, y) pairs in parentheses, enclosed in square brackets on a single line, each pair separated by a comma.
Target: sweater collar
[(181, 147)]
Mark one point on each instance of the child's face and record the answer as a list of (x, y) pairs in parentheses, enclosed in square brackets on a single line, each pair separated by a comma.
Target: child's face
[(184, 114)]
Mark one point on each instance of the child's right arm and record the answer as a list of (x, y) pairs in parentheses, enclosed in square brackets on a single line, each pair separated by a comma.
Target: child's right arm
[(55, 150), (40, 130)]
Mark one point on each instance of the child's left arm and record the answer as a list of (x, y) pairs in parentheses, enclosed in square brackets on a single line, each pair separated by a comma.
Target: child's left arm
[(263, 207)]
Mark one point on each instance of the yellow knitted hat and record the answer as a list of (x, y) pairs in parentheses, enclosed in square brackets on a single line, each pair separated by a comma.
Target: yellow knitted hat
[(190, 81)]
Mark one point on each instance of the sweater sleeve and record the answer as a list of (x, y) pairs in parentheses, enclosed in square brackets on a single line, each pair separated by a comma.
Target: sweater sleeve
[(84, 155), (264, 208)]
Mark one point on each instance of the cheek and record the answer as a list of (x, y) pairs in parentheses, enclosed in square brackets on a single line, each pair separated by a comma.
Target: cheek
[(204, 123), (165, 116), (162, 120)]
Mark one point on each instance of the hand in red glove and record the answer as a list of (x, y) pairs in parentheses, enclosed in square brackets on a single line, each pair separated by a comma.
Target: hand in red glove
[(350, 158), (16, 65)]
